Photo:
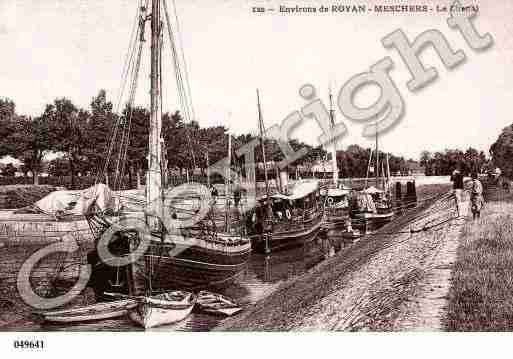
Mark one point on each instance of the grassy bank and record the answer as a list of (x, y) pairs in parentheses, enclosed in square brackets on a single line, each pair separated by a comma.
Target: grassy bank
[(481, 298), (17, 196)]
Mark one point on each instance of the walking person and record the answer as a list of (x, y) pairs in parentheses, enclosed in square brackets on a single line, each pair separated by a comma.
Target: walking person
[(476, 196), (457, 186), (213, 193), (237, 194)]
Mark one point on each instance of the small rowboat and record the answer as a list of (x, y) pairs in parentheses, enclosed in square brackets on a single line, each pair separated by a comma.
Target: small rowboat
[(98, 311), (214, 303), (162, 309)]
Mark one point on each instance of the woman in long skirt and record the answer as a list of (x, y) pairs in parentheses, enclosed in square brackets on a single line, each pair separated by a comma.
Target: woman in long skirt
[(476, 196)]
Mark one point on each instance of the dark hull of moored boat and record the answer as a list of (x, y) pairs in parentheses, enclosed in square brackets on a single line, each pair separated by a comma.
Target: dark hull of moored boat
[(335, 222), (285, 238), (370, 222), (175, 266), (194, 267)]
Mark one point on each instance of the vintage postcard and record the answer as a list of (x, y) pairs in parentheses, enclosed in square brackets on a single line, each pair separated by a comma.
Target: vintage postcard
[(254, 166)]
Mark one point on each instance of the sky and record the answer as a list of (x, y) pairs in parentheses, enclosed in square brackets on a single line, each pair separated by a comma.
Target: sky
[(74, 48)]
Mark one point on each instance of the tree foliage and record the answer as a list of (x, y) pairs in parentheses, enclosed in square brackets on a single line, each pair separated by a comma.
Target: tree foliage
[(8, 118), (84, 137), (444, 163), (501, 151), (31, 141)]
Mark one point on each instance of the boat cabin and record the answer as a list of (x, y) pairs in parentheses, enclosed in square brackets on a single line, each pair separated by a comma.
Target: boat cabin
[(301, 204), (381, 198)]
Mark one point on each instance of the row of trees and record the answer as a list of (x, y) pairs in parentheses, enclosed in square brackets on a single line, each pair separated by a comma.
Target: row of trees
[(82, 137), (354, 160), (444, 163)]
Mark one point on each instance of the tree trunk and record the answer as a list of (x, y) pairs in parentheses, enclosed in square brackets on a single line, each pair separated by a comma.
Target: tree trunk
[(72, 173), (138, 172), (35, 175)]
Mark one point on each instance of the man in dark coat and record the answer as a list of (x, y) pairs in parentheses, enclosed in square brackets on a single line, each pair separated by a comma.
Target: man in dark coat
[(457, 186)]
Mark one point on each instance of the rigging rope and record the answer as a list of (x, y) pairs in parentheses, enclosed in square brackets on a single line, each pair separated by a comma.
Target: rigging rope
[(128, 65), (183, 88)]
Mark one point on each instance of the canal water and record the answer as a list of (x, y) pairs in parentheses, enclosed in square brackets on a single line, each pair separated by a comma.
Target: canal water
[(262, 276)]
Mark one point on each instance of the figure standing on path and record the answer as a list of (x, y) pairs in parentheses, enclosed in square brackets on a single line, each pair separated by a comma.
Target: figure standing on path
[(214, 193), (237, 194), (457, 185), (476, 196)]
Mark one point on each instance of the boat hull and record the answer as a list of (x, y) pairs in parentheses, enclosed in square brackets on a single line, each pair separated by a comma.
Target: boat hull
[(282, 239), (179, 263), (336, 223), (95, 312), (216, 304), (370, 222), (151, 313), (149, 317)]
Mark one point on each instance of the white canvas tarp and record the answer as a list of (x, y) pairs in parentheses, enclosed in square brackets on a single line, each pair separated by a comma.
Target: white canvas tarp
[(77, 202), (58, 201), (100, 195)]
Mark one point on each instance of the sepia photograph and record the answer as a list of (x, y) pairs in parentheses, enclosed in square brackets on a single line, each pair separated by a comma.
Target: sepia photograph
[(254, 166)]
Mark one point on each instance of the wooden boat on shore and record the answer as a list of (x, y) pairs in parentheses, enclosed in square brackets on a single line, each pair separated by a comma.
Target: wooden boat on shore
[(94, 312), (213, 303), (162, 309)]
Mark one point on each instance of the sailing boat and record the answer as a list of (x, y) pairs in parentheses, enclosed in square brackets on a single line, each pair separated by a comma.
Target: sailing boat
[(371, 208), (284, 220), (336, 196), (195, 257)]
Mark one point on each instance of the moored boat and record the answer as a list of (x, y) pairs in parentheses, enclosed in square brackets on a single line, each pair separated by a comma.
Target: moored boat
[(162, 309), (336, 208), (287, 220), (94, 312), (372, 208), (214, 303), (197, 255)]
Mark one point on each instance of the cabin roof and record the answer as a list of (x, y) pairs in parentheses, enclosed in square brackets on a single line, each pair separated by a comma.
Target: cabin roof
[(300, 190), (372, 190), (336, 192)]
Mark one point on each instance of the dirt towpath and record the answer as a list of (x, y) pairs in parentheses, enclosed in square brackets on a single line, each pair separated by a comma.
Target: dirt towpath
[(392, 281)]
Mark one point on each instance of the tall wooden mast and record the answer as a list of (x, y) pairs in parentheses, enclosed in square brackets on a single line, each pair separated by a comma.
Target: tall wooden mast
[(261, 128), (377, 157), (334, 145), (154, 174), (268, 199)]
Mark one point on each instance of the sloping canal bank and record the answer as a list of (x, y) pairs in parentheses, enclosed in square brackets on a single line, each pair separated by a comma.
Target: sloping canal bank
[(394, 280)]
